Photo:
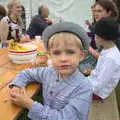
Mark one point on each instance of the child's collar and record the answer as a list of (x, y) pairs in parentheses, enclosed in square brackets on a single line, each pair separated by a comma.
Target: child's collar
[(69, 77)]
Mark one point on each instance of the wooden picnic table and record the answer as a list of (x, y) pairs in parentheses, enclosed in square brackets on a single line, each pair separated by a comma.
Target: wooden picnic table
[(8, 71)]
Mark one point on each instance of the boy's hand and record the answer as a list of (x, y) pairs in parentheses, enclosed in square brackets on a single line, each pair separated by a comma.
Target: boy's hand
[(19, 97)]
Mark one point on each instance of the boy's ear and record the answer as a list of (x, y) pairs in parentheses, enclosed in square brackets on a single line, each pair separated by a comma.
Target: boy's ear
[(82, 55)]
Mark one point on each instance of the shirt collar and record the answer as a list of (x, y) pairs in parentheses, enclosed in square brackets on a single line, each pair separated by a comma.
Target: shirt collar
[(106, 51), (69, 78)]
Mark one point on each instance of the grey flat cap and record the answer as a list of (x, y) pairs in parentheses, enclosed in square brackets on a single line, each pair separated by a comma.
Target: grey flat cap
[(66, 27)]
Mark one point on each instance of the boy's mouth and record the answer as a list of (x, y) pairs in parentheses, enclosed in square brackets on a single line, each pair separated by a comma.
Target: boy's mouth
[(62, 67)]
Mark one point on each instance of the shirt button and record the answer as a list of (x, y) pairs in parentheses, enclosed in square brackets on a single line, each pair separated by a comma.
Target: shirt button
[(57, 80), (51, 92)]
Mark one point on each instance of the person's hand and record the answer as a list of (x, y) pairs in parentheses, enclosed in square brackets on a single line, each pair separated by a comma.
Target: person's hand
[(87, 22), (95, 53), (19, 97), (87, 71), (48, 21), (25, 38)]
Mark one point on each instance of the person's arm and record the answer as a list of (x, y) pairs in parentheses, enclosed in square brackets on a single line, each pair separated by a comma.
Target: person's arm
[(4, 30), (77, 108), (28, 76), (18, 94)]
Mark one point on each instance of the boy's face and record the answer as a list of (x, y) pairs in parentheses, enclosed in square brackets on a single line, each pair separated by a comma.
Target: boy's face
[(66, 58)]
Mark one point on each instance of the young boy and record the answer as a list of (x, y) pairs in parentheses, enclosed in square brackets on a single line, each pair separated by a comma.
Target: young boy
[(106, 75), (66, 92)]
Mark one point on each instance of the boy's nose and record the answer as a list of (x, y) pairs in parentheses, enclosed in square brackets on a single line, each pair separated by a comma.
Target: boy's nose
[(63, 57)]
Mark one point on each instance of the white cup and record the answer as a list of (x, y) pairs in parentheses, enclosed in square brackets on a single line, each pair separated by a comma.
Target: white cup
[(37, 38)]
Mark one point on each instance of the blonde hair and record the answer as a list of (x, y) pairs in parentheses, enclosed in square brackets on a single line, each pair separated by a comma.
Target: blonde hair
[(65, 38), (10, 5)]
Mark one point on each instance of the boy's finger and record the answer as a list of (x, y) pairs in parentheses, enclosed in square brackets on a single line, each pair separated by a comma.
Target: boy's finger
[(23, 90)]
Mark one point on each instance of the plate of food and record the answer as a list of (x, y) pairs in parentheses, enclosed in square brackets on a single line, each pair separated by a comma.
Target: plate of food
[(21, 53)]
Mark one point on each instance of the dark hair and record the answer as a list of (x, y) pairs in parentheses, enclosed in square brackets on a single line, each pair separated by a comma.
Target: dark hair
[(109, 5), (107, 28), (3, 11), (40, 9)]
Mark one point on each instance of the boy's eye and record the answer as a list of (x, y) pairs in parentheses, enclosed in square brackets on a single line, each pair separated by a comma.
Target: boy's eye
[(56, 52), (70, 52)]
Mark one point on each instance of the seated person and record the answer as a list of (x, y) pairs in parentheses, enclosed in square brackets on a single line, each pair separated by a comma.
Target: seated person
[(11, 25), (39, 22)]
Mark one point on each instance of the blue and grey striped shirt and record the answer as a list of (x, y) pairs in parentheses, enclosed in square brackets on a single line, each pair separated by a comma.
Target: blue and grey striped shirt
[(67, 99)]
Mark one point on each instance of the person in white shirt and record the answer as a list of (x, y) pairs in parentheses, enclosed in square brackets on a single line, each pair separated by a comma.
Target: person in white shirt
[(106, 75)]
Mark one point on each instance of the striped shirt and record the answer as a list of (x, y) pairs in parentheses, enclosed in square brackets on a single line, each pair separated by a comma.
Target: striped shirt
[(67, 99)]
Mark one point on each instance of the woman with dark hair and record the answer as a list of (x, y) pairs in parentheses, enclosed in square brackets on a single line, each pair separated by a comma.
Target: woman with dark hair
[(105, 8)]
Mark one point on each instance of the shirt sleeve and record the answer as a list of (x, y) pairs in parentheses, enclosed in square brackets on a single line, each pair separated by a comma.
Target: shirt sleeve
[(42, 24), (99, 78), (28, 76), (76, 109)]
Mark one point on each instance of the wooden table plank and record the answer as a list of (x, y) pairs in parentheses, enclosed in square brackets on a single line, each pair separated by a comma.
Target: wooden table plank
[(3, 50), (4, 59), (8, 71), (6, 75), (19, 67), (9, 111)]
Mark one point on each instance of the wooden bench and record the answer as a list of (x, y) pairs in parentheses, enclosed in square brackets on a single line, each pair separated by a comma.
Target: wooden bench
[(105, 110)]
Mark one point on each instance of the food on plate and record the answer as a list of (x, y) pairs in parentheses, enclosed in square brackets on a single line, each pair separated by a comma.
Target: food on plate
[(14, 45)]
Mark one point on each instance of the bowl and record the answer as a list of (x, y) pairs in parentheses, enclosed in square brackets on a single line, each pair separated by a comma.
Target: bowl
[(23, 56)]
